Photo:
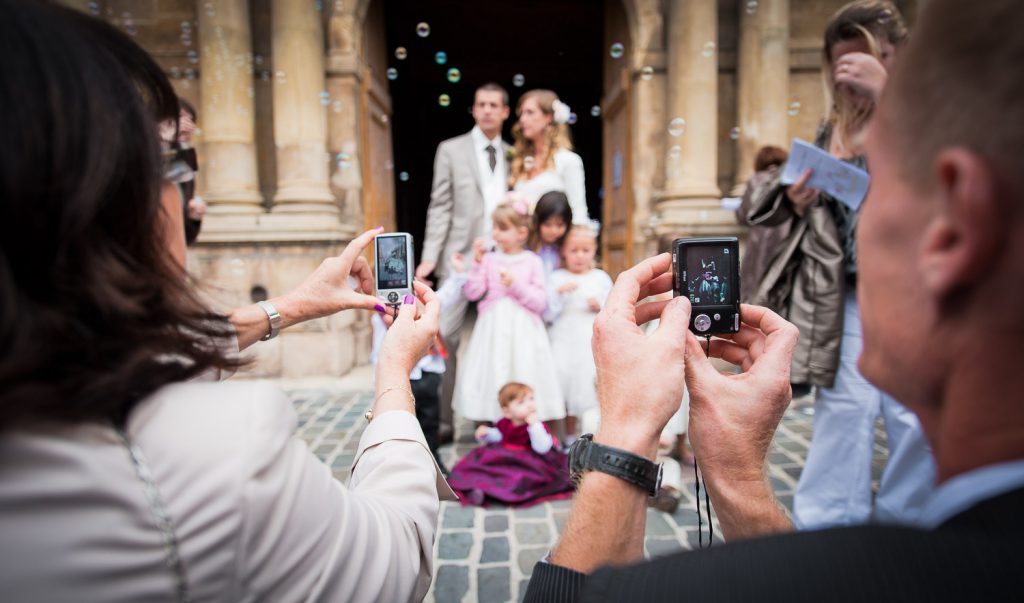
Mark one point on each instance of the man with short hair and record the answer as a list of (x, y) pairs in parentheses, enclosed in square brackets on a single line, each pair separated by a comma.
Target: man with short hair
[(941, 242), (470, 180)]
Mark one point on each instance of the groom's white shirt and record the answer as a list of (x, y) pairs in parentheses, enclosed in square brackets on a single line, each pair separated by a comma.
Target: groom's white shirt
[(493, 184)]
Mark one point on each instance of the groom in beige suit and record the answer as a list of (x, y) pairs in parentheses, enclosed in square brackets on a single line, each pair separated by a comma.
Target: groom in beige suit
[(470, 180)]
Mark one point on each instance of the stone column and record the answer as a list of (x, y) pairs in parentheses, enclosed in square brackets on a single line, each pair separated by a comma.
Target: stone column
[(300, 117), (763, 91), (229, 175), (691, 201)]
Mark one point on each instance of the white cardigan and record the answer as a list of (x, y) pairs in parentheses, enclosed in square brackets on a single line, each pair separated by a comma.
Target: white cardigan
[(567, 177), (257, 516)]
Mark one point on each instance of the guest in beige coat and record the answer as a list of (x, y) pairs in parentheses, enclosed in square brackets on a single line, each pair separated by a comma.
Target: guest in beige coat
[(127, 473)]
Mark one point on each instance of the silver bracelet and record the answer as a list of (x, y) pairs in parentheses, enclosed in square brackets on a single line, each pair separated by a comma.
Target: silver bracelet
[(273, 316)]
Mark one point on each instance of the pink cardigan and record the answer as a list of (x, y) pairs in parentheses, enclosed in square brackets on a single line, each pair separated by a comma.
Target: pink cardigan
[(484, 282)]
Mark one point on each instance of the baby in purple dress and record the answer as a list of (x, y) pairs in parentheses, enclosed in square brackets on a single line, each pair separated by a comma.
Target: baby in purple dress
[(518, 463)]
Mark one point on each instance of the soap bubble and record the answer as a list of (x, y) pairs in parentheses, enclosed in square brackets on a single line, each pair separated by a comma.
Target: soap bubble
[(441, 57), (616, 51), (336, 106), (325, 98), (595, 111), (572, 118), (751, 7), (675, 152), (257, 59), (422, 29), (444, 100), (518, 80), (734, 133), (794, 108), (186, 27), (401, 53), (404, 176), (392, 74), (528, 162), (454, 75), (344, 160), (94, 8), (709, 49), (677, 127), (647, 73), (193, 57)]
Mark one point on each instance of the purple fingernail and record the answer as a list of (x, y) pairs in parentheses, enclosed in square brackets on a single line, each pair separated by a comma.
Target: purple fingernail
[(379, 308), (409, 299)]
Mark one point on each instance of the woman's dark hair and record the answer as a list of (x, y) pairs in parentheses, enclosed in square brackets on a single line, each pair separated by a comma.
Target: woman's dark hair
[(552, 204), (769, 156), (94, 313)]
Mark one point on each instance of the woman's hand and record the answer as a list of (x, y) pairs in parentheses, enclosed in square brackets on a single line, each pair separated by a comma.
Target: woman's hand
[(863, 73), (801, 195), (410, 334)]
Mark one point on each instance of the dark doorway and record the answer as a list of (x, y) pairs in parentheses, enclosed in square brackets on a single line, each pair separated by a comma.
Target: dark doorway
[(555, 44)]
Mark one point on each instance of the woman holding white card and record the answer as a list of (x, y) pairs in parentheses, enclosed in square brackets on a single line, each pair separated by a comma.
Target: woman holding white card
[(813, 281)]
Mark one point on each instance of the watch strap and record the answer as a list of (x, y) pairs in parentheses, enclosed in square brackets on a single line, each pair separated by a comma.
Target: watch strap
[(273, 316), (587, 455)]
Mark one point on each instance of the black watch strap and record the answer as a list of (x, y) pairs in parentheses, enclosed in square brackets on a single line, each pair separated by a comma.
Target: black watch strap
[(587, 455)]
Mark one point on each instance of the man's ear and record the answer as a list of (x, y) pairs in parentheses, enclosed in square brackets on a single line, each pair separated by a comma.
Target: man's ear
[(967, 231)]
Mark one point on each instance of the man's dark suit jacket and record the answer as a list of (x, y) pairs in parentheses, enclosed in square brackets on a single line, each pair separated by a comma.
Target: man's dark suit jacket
[(977, 555)]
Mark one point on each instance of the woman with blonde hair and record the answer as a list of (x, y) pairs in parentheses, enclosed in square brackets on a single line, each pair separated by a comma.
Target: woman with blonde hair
[(544, 160)]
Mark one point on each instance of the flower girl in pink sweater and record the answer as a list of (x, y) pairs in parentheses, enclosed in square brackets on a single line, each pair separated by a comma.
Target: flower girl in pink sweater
[(509, 341)]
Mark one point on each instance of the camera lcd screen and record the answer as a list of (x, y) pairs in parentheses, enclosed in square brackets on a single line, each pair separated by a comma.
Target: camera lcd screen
[(708, 270), (392, 263)]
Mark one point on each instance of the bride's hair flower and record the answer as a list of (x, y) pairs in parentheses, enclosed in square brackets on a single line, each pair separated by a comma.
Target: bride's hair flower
[(561, 112)]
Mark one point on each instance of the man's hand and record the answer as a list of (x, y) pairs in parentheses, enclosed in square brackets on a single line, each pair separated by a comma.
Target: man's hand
[(734, 417), (639, 378), (861, 72), (423, 271), (458, 262), (801, 195)]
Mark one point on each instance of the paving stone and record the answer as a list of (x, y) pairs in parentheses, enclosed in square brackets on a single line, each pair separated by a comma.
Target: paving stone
[(529, 558), (533, 533), (458, 516), (560, 519), (656, 524), (786, 500), (495, 550), (685, 517), (455, 545), (565, 503), (536, 511), (492, 584), (523, 586), (496, 523), (657, 547), (778, 457), (452, 583)]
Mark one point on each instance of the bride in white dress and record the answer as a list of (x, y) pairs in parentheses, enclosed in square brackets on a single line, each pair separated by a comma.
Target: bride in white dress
[(544, 160)]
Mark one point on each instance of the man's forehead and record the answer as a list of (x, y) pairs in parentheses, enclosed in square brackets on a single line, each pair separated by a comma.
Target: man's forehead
[(488, 97)]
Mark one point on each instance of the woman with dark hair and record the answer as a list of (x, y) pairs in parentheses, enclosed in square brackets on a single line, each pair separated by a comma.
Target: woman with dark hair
[(124, 476), (813, 279)]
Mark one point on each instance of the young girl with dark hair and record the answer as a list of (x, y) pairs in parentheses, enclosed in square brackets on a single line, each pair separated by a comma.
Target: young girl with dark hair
[(551, 220)]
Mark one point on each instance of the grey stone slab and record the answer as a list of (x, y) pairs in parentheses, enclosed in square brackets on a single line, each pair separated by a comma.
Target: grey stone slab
[(657, 547), (523, 586), (786, 500), (685, 517), (496, 523), (533, 533), (495, 549), (455, 545), (560, 519), (656, 524), (492, 584), (529, 558), (778, 457), (536, 511), (565, 503), (458, 516), (452, 583), (794, 447)]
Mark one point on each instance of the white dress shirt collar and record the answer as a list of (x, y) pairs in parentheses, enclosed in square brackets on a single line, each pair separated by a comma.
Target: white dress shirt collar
[(480, 140), (966, 490)]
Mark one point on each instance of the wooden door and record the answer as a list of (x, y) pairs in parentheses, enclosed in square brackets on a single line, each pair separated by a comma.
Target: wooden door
[(617, 231), (378, 163)]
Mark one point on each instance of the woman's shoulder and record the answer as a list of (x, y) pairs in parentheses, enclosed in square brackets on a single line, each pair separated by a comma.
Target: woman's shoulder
[(567, 158)]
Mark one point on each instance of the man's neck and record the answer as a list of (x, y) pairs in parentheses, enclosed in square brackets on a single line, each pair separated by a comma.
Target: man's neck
[(490, 134)]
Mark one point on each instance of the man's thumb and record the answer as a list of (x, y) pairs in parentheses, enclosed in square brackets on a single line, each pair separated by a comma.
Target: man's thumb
[(675, 319)]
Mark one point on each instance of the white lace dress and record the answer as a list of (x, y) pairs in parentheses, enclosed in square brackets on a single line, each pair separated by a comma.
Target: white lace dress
[(567, 177)]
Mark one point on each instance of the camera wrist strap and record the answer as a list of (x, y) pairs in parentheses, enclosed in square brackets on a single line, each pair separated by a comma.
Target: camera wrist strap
[(697, 479)]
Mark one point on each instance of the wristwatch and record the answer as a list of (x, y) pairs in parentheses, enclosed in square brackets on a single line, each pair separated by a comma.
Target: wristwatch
[(587, 455), (273, 316)]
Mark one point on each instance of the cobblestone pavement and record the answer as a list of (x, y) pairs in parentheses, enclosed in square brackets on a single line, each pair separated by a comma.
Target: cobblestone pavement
[(487, 554)]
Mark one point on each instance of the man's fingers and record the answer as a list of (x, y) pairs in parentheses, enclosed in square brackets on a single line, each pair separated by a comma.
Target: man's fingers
[(731, 353), (649, 311), (749, 338), (780, 336), (358, 244), (626, 291), (659, 285), (675, 321)]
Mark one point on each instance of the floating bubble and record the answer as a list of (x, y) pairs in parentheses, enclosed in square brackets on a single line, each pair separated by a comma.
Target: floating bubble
[(595, 111), (422, 29), (572, 118), (401, 53), (528, 162), (675, 152), (281, 77), (325, 98), (734, 133), (336, 106), (392, 74), (677, 127), (319, 5), (344, 160), (709, 49), (174, 73), (616, 51), (751, 7), (444, 100), (94, 8), (647, 73), (210, 9), (518, 80), (186, 40), (193, 57), (441, 57), (794, 108), (257, 59), (238, 267), (190, 74), (265, 75), (130, 29), (403, 176), (454, 75)]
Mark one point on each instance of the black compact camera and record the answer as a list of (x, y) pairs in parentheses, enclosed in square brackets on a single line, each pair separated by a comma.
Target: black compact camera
[(707, 271)]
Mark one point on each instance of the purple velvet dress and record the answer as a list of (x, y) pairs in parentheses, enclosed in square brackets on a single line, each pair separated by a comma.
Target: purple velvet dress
[(510, 472)]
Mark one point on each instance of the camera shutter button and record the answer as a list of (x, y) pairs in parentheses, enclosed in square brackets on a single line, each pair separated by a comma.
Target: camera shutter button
[(702, 322), (393, 297)]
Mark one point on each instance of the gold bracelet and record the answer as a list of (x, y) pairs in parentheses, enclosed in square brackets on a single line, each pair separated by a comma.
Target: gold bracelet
[(369, 412)]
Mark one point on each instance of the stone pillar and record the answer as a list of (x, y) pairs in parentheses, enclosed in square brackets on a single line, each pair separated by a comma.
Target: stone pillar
[(229, 175), (300, 117), (691, 201), (763, 91)]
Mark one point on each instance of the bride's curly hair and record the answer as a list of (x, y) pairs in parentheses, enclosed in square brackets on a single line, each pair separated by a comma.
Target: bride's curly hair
[(556, 134)]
